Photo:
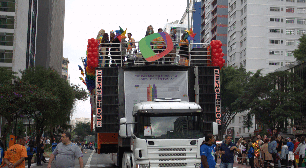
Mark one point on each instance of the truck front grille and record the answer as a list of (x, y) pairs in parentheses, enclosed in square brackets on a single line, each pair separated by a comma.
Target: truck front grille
[(173, 154), (170, 160), (172, 164), (172, 149)]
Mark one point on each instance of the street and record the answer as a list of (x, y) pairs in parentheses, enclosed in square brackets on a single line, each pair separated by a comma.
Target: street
[(90, 159)]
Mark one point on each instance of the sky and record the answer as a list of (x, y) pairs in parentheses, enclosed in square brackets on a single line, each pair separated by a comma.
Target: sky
[(84, 19)]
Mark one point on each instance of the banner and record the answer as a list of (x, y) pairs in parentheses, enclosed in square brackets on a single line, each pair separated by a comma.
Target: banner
[(143, 86)]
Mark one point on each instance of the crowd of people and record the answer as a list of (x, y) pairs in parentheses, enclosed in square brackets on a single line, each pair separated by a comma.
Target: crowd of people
[(111, 46), (274, 151), (26, 148)]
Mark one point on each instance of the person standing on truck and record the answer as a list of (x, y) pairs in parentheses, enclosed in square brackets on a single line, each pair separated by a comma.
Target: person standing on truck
[(115, 50), (66, 152), (104, 50), (207, 152)]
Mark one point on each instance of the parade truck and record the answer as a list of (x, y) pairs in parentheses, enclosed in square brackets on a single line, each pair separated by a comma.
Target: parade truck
[(157, 115)]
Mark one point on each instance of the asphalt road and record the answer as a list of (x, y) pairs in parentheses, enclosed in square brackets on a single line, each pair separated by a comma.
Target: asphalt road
[(90, 159)]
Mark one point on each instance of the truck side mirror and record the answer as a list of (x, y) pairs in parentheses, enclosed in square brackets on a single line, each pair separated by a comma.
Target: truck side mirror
[(215, 128), (122, 130)]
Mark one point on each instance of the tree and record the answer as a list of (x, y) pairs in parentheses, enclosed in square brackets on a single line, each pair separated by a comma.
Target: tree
[(300, 52), (6, 76), (82, 130), (274, 99), (233, 85)]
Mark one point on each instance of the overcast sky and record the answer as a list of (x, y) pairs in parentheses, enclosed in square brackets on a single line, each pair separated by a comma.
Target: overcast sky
[(83, 20)]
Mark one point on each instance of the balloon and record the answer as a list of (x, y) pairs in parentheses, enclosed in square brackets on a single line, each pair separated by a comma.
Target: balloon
[(223, 61), (222, 54), (219, 50), (215, 64), (95, 54), (214, 50), (220, 62), (216, 55), (218, 42), (119, 38)]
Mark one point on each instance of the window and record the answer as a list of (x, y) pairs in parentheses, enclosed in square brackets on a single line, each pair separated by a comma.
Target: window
[(240, 120), (241, 43), (273, 63), (289, 53), (276, 41), (274, 9), (289, 0), (239, 130), (243, 130), (276, 20), (241, 33), (275, 52), (301, 32), (290, 32), (233, 36), (301, 10), (301, 1), (289, 20), (245, 8), (241, 21), (245, 19), (289, 42), (241, 12), (301, 21), (276, 30), (289, 10), (233, 120)]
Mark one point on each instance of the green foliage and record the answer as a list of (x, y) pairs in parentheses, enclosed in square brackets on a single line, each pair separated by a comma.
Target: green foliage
[(300, 52), (80, 93), (82, 130), (274, 98), (6, 75), (233, 84)]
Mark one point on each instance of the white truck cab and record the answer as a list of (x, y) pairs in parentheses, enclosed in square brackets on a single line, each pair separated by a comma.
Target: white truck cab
[(166, 132)]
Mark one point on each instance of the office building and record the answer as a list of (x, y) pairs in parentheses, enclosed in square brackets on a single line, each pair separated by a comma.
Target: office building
[(214, 22), (264, 33), (18, 25), (50, 34)]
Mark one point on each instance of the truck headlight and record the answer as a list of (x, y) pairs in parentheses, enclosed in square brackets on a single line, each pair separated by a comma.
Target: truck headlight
[(144, 166), (198, 165)]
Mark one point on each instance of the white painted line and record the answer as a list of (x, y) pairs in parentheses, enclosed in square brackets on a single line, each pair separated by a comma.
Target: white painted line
[(89, 159)]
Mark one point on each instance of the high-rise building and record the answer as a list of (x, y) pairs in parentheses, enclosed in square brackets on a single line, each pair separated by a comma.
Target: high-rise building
[(50, 34), (214, 22), (264, 33), (18, 23)]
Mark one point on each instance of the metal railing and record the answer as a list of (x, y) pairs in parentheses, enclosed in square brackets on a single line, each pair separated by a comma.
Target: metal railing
[(183, 54)]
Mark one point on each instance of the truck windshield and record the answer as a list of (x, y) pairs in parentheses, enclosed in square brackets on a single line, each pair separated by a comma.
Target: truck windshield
[(176, 126)]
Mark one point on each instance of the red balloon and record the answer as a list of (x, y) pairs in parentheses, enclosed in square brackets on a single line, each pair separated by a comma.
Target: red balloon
[(223, 61), (219, 42), (214, 50), (220, 62), (216, 55), (215, 64), (222, 54), (95, 54), (219, 50), (95, 49)]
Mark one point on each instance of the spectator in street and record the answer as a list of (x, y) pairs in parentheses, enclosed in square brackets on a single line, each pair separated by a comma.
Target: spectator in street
[(16, 154), (207, 152), (265, 154), (30, 151), (290, 155), (279, 141), (227, 150), (42, 151), (48, 141), (96, 146), (251, 154), (66, 152), (284, 154), (273, 149), (296, 154), (301, 151), (1, 153)]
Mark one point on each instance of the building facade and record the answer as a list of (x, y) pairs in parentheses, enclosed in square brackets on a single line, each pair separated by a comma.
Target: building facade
[(65, 68), (263, 34), (50, 34), (18, 23), (214, 22)]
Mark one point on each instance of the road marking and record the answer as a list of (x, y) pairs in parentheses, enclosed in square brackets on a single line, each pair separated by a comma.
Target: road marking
[(89, 159)]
